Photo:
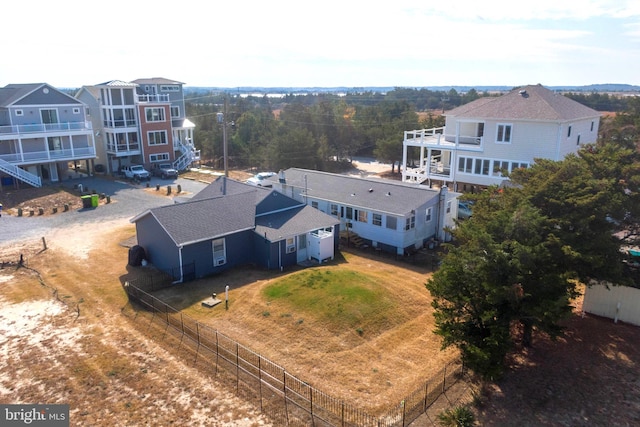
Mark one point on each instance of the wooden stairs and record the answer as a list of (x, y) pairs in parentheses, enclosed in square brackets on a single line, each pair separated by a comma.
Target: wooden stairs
[(351, 239)]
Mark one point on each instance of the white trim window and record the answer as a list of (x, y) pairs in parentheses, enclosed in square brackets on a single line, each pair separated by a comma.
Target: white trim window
[(219, 252), (160, 157), (334, 209), (410, 222), (175, 111), (19, 113), (392, 222), (76, 110), (428, 215), (362, 216), (291, 245), (157, 137), (503, 133), (154, 114), (376, 219)]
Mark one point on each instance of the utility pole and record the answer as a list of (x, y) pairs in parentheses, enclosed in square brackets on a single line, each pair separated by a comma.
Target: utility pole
[(222, 119)]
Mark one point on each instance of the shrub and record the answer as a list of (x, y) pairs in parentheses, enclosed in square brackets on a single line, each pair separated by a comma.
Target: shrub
[(460, 416)]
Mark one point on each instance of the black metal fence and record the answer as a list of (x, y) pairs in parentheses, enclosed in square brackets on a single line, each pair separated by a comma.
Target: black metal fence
[(284, 398)]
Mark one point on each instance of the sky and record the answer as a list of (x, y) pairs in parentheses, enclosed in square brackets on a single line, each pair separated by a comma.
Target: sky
[(293, 43)]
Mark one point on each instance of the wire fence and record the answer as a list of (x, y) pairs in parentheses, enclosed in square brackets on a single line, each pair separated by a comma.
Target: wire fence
[(284, 398)]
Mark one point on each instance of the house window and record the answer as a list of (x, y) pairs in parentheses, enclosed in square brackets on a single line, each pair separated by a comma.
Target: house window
[(334, 209), (291, 245), (410, 222), (376, 219), (578, 141), (349, 213), (170, 88), (392, 222), (568, 131), (154, 114), (219, 252), (76, 110), (428, 215), (162, 157), (504, 134), (449, 206), (363, 216), (482, 167), (500, 167), (465, 164), (314, 204), (175, 111), (19, 113), (157, 137)]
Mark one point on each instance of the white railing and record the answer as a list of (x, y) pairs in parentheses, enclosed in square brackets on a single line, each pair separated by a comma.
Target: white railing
[(20, 173), (52, 155), (45, 128)]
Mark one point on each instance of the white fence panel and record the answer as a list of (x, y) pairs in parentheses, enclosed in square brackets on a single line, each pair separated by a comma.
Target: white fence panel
[(617, 302)]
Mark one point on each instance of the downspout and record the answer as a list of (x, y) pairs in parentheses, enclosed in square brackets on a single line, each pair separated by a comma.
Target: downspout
[(442, 200), (280, 254), (181, 266)]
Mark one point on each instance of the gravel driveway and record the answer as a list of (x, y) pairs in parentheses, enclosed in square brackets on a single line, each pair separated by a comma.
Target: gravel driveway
[(128, 200)]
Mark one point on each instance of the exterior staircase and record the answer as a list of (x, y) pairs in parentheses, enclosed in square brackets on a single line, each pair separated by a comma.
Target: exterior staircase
[(19, 173), (188, 156), (351, 239)]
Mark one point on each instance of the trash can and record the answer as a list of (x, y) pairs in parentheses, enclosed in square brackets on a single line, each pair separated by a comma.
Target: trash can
[(86, 201), (95, 198)]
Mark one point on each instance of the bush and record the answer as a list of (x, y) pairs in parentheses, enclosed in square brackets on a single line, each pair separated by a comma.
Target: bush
[(460, 416)]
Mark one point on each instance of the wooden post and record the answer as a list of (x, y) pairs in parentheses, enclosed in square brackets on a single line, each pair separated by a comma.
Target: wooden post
[(44, 244)]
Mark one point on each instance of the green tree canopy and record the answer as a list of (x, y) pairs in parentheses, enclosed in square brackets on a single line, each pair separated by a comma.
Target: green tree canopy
[(518, 260)]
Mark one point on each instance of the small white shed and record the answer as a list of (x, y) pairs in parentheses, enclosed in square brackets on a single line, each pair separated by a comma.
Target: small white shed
[(321, 245)]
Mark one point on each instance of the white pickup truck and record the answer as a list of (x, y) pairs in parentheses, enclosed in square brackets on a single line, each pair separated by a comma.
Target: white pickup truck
[(136, 172)]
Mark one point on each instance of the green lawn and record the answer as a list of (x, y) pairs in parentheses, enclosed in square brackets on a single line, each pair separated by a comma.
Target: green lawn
[(343, 298)]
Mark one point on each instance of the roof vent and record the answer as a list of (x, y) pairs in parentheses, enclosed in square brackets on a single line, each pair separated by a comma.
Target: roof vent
[(353, 194), (524, 93), (388, 193), (371, 190)]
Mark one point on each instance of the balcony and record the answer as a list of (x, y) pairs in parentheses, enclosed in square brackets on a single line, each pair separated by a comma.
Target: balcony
[(46, 156), (15, 131), (436, 137)]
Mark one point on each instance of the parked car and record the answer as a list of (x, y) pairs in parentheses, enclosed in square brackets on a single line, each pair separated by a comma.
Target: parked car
[(464, 210), (136, 172), (164, 170), (261, 179)]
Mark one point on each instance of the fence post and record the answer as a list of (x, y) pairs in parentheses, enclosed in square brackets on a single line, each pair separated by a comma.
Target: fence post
[(237, 368), (260, 380), (217, 351), (195, 361), (426, 396), (284, 389), (444, 379), (404, 411)]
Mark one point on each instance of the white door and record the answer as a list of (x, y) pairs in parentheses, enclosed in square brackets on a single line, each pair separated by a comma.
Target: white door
[(302, 247)]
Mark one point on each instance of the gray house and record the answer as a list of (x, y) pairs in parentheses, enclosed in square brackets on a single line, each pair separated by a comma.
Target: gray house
[(389, 215), (229, 224), (42, 131)]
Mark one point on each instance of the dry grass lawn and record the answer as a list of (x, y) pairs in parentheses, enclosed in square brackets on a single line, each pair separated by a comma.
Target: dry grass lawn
[(372, 360)]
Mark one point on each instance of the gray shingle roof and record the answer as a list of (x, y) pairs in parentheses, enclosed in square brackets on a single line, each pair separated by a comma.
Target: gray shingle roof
[(227, 206), (292, 222), (205, 219), (533, 102), (393, 197)]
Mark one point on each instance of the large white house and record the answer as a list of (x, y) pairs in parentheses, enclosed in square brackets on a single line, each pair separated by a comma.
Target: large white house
[(388, 215), (490, 135)]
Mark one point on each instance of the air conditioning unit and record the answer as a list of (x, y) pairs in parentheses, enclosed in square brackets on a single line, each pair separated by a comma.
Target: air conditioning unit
[(220, 261), (291, 249)]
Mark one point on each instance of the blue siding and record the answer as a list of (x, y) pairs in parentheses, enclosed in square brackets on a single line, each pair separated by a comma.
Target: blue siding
[(201, 254), (160, 249)]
